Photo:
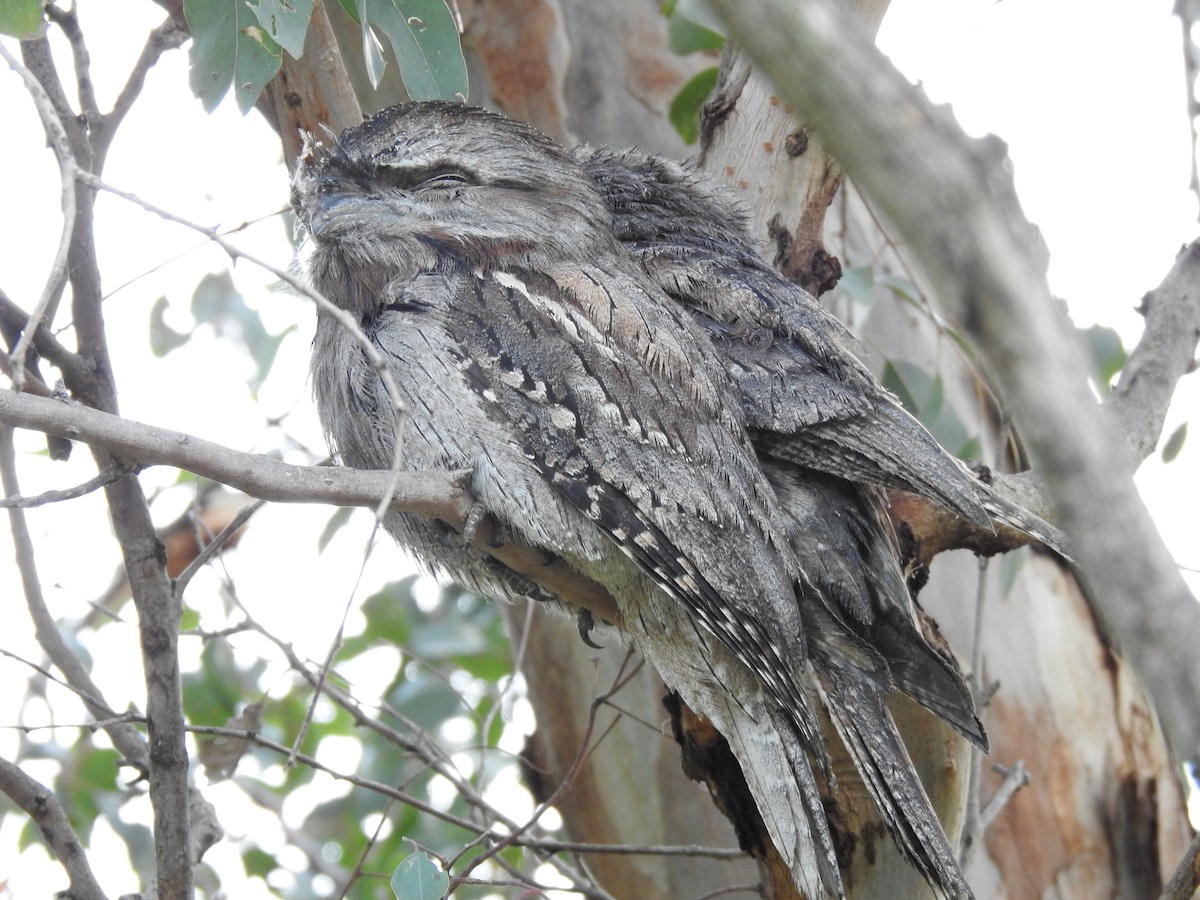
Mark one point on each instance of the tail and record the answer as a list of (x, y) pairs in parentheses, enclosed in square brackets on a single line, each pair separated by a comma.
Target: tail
[(866, 728), (1006, 513), (768, 747)]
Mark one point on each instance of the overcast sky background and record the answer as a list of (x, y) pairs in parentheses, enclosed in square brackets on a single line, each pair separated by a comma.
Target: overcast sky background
[(1089, 96)]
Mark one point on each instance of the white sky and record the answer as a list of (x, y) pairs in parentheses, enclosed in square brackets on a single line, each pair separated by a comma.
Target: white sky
[(1089, 96)]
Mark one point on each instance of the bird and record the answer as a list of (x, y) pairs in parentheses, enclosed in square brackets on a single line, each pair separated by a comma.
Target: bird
[(633, 390), (809, 399)]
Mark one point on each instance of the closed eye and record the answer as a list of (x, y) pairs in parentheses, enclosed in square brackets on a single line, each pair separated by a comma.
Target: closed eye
[(442, 174), (445, 179)]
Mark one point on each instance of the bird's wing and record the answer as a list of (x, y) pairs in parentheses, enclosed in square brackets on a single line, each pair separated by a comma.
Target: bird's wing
[(643, 437), (607, 405)]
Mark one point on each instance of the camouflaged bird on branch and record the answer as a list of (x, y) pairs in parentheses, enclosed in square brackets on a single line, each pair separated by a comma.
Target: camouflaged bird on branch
[(636, 393)]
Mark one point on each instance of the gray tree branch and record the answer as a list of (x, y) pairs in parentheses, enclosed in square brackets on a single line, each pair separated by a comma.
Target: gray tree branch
[(1164, 354), (44, 809), (432, 494), (124, 736), (952, 200)]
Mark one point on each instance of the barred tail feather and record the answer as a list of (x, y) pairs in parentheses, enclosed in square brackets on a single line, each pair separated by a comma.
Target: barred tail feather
[(791, 808), (870, 736)]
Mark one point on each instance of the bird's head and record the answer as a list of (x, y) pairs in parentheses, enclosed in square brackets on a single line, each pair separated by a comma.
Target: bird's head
[(421, 186)]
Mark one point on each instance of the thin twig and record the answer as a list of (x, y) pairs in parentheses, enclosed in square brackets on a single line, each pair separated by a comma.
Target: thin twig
[(167, 36), (68, 21), (94, 701), (126, 739), (343, 317), (1186, 880), (74, 369), (585, 749), (1015, 778), (97, 481), (213, 546), (32, 385), (68, 168)]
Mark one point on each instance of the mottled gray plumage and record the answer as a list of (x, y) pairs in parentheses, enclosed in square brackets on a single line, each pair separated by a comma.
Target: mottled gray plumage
[(808, 398), (613, 365)]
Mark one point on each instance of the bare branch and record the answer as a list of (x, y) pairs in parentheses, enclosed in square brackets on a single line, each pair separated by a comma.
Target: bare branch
[(431, 494), (74, 369), (1014, 779), (952, 200), (1165, 353), (214, 546), (167, 36), (68, 21), (1186, 880), (47, 813), (95, 702), (97, 481), (33, 385), (63, 152), (124, 737)]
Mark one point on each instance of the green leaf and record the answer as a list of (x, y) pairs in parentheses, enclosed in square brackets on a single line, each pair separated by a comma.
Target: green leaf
[(336, 522), (419, 877), (1107, 354), (698, 11), (424, 36), (895, 381), (1174, 443), (1010, 567), (371, 47), (217, 302), (211, 695), (190, 620), (229, 46), (286, 21), (685, 108), (164, 338), (258, 862), (924, 396), (22, 19), (686, 36), (858, 283)]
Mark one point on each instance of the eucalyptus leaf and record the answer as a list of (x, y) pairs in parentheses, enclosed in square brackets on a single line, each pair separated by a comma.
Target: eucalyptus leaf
[(229, 46), (22, 19), (286, 22), (1174, 443), (419, 877), (424, 37), (164, 338), (685, 108), (1106, 352), (686, 36)]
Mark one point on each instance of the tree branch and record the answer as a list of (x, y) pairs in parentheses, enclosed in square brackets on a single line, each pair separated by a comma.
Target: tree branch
[(61, 144), (952, 200), (47, 813), (124, 736), (167, 36), (1164, 354), (432, 494), (97, 481)]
